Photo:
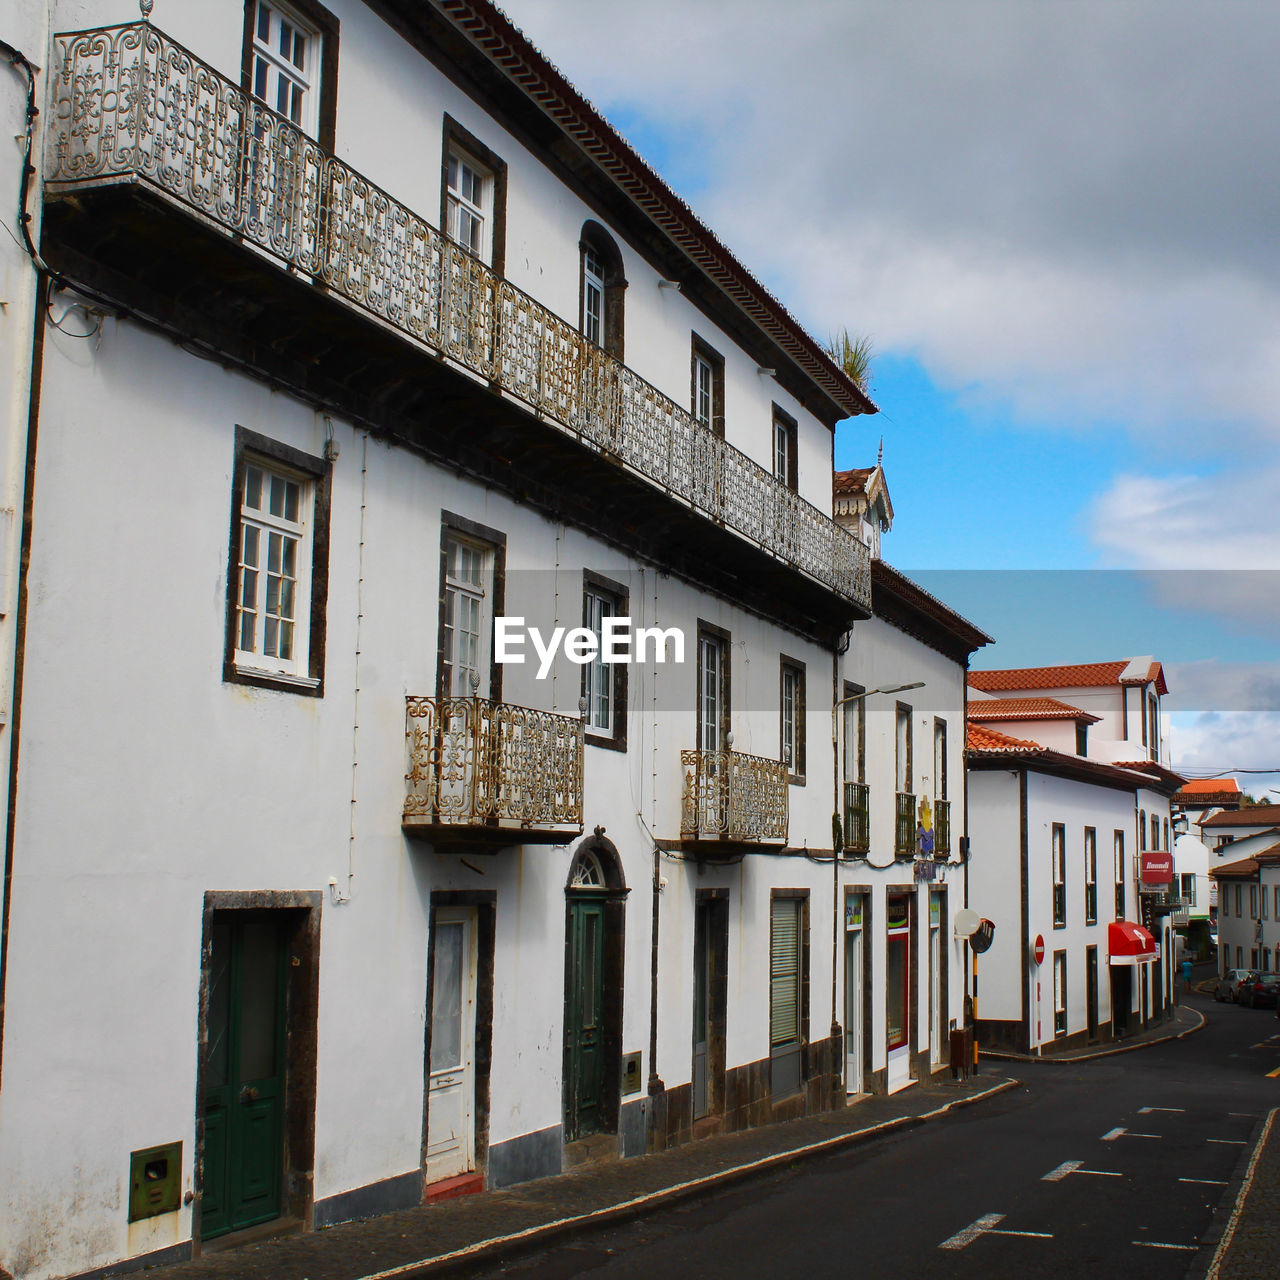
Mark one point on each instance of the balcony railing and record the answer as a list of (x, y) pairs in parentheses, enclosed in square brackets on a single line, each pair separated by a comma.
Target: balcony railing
[(941, 828), (494, 766), (904, 824), (734, 797), (129, 103), (857, 817)]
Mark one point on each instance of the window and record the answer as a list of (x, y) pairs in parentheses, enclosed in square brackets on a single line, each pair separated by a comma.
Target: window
[(785, 467), (1059, 993), (713, 688), (473, 195), (1082, 738), (857, 816), (1276, 904), (904, 824), (279, 558), (604, 684), (1167, 845), (708, 388), (1153, 721), (1059, 855), (792, 727), (1142, 828), (1253, 902), (1189, 890), (902, 747), (1155, 831), (787, 988), (472, 585), (1090, 876), (290, 62), (1118, 840), (603, 289), (1262, 901), (1239, 902)]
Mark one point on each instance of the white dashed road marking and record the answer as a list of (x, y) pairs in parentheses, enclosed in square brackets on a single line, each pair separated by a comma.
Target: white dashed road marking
[(1208, 1182), (986, 1226), (1112, 1134), (1156, 1244), (1142, 1111), (1227, 1142), (1057, 1175)]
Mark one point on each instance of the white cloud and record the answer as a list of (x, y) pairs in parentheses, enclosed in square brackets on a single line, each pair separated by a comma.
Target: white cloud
[(1058, 206), (1229, 742)]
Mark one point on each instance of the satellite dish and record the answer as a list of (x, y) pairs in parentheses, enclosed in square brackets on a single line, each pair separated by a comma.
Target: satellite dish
[(966, 922)]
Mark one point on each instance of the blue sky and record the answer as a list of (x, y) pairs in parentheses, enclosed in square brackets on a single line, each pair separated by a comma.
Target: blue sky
[(1051, 221)]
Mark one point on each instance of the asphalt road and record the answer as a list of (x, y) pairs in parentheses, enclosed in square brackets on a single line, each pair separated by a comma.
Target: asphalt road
[(1112, 1167)]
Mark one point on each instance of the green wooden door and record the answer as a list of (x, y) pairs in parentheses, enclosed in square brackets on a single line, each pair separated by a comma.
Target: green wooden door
[(584, 1017), (244, 1080)]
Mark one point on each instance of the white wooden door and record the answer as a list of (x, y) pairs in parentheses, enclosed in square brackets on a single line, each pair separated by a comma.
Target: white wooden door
[(452, 1089)]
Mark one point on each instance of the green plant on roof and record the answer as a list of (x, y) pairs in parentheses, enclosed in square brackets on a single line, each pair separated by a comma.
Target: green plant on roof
[(853, 355)]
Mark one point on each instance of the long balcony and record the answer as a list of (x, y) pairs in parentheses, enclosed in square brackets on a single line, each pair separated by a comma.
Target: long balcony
[(130, 106), (490, 773), (732, 799)]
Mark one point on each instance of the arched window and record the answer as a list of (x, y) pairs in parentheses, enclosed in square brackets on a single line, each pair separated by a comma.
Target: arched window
[(603, 286)]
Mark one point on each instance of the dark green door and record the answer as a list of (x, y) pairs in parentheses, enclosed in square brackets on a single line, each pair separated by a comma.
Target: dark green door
[(584, 1016), (244, 1079)]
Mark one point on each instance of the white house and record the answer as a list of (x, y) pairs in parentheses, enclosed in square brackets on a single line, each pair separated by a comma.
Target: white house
[(364, 347), (1078, 789), (1249, 909)]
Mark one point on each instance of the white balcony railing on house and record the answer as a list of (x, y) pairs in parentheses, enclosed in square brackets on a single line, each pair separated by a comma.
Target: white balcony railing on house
[(491, 766), (129, 104)]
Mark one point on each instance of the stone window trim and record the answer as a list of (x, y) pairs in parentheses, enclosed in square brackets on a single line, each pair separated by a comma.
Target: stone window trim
[(458, 140), (496, 541), (328, 27), (617, 740), (251, 446)]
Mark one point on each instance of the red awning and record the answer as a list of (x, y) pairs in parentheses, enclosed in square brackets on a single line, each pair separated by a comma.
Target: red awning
[(1130, 943)]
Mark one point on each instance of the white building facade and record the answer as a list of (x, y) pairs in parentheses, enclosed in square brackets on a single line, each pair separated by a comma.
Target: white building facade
[(318, 902)]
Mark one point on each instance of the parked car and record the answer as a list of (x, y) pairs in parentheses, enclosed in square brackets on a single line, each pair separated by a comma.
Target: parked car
[(1229, 984), (1259, 989)]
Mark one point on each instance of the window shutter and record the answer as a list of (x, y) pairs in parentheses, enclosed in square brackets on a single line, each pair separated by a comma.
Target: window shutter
[(784, 972)]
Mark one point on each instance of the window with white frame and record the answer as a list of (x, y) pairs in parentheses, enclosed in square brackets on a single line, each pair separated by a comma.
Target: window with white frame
[(1118, 847), (791, 716), (592, 297), (785, 449), (467, 617), (1276, 903), (603, 683), (708, 387), (278, 566), (1059, 857), (1239, 895), (1090, 876), (713, 689), (1142, 828), (1253, 902), (1155, 831), (1059, 993), (1189, 890), (273, 545), (469, 204), (285, 63)]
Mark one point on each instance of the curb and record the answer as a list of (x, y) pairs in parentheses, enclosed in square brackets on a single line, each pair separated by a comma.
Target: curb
[(1064, 1061), (486, 1250)]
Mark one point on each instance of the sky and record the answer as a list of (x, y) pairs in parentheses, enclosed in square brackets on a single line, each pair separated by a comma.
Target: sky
[(1055, 222)]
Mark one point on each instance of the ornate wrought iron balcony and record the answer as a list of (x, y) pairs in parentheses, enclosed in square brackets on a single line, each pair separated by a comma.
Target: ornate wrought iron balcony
[(904, 824), (131, 105), (857, 817), (734, 798), (490, 772)]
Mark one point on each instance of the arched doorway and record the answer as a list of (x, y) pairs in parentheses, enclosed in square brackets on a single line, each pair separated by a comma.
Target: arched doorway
[(595, 918)]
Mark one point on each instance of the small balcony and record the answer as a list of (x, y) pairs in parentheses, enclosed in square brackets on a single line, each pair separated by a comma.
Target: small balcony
[(942, 829), (133, 111), (485, 773), (732, 799), (904, 825), (857, 818)]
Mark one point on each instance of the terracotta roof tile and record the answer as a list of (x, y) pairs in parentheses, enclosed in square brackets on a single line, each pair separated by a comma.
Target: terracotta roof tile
[(1086, 675), (854, 481), (1258, 815), (980, 738), (1210, 787), (1028, 709)]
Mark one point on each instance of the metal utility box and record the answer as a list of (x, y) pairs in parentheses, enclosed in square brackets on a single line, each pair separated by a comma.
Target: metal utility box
[(630, 1073), (155, 1181)]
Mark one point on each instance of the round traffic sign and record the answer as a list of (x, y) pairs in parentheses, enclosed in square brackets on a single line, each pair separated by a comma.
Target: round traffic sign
[(1039, 951)]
